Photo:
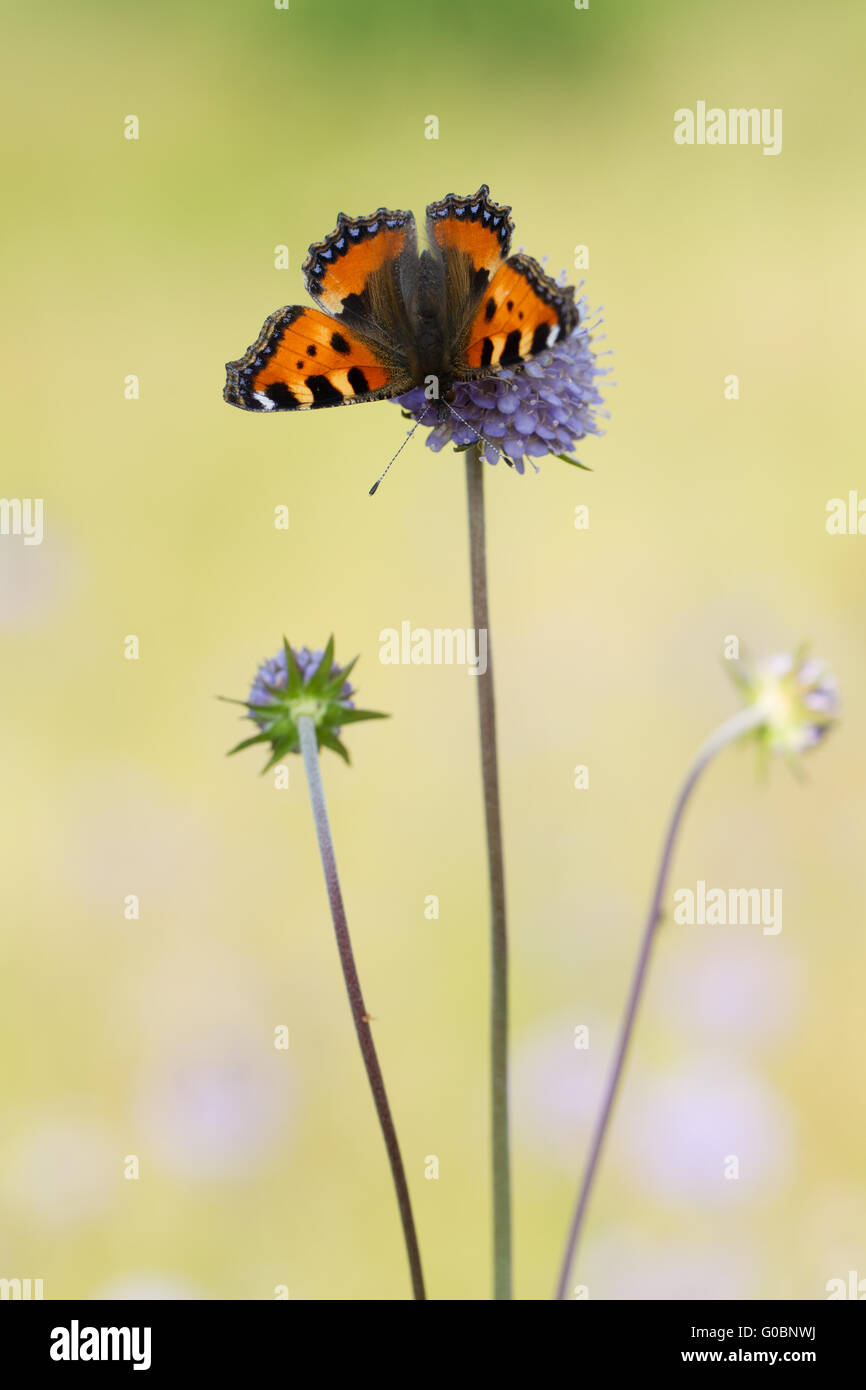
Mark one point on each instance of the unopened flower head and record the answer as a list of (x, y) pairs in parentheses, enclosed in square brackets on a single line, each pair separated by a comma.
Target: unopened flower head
[(543, 406), (299, 682), (273, 676), (800, 699)]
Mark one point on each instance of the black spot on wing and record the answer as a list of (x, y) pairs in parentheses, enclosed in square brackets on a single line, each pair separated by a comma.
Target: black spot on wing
[(539, 338), (357, 304), (487, 352), (324, 392), (358, 381), (311, 350), (490, 308), (339, 344), (480, 280), (511, 351), (282, 397)]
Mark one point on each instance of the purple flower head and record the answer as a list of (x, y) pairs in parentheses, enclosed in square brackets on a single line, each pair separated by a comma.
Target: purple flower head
[(542, 407), (273, 675), (301, 684)]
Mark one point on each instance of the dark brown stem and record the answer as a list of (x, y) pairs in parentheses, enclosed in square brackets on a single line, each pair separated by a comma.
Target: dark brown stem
[(310, 751), (496, 872)]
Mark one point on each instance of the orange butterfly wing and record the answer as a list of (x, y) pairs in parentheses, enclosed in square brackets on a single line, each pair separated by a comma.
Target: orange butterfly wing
[(522, 312), (349, 350), (469, 238), (306, 360), (473, 228), (501, 312), (359, 271)]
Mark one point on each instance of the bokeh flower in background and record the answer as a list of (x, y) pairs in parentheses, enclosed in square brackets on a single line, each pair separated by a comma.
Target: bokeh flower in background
[(799, 695), (216, 1108), (708, 1130), (558, 1084), (37, 583), (731, 986), (63, 1168)]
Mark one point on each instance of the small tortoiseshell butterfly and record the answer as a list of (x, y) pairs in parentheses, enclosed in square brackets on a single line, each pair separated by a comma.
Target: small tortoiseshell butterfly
[(389, 319)]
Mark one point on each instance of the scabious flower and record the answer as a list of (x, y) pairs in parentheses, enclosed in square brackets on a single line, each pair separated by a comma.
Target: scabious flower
[(800, 698), (273, 674), (542, 407), (299, 682)]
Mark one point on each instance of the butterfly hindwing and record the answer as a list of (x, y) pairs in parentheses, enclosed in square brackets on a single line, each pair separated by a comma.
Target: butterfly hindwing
[(522, 312), (305, 360)]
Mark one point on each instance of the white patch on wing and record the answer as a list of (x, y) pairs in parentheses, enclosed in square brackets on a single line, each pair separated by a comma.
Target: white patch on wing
[(264, 401)]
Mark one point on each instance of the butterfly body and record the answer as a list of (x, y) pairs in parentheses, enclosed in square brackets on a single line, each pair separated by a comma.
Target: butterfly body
[(387, 319)]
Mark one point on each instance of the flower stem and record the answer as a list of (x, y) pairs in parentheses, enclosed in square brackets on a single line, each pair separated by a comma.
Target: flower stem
[(496, 872), (310, 751), (726, 733)]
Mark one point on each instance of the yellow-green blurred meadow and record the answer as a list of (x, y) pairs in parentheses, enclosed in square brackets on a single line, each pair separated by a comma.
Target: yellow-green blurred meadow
[(153, 1037)]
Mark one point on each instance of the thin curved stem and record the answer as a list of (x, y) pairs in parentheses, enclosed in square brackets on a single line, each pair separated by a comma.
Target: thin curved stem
[(501, 1160), (726, 733), (310, 751)]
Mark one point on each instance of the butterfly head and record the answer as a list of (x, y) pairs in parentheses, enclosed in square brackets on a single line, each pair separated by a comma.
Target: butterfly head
[(445, 400)]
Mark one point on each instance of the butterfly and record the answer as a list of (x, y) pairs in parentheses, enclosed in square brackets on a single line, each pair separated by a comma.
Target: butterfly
[(387, 319)]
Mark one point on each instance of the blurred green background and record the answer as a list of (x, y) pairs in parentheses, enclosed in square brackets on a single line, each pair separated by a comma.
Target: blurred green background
[(707, 518)]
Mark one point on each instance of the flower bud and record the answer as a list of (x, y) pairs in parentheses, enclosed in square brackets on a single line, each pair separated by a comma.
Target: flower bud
[(298, 682)]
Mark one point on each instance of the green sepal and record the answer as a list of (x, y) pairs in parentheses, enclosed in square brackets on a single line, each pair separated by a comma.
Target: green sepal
[(248, 743), (351, 716), (336, 685), (285, 745), (575, 463), (294, 678), (259, 710), (329, 740), (322, 675)]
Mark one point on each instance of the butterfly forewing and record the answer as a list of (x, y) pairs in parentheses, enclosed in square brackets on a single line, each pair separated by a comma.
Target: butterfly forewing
[(471, 237), (361, 270), (306, 360)]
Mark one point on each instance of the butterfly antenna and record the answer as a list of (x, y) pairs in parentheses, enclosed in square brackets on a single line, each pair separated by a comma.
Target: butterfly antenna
[(399, 451), (480, 437)]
